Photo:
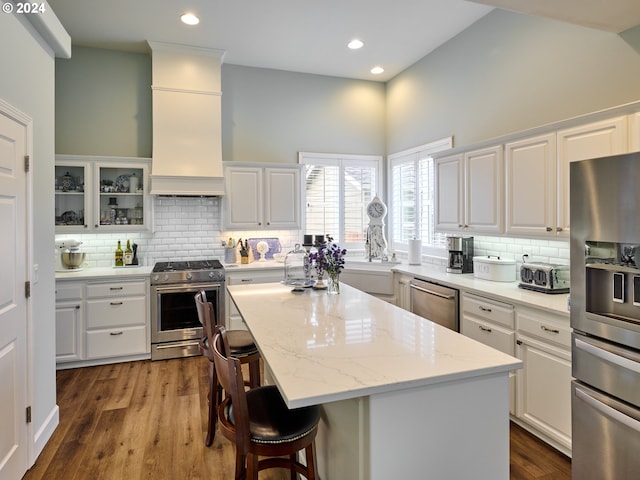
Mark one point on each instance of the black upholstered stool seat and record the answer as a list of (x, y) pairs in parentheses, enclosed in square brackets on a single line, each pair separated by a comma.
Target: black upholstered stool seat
[(270, 421)]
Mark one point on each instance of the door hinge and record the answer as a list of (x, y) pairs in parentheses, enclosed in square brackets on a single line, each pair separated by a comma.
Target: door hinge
[(26, 163), (29, 414), (27, 289)]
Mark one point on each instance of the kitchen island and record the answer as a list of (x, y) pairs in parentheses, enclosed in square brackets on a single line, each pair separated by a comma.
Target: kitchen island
[(401, 396)]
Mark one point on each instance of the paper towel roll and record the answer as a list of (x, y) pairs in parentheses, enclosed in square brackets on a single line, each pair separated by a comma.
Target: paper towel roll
[(415, 251)]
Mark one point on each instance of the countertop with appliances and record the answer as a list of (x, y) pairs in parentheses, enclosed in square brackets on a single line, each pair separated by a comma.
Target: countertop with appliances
[(505, 291), (373, 366)]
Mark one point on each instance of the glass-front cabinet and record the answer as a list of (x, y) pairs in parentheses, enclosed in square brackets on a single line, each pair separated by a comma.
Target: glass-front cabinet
[(101, 193)]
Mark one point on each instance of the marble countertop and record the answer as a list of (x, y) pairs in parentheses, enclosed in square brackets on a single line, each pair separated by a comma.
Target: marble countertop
[(102, 272), (322, 348)]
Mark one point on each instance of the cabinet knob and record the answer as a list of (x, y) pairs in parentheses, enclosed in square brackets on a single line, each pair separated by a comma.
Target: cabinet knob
[(549, 229), (87, 226), (259, 223), (558, 229), (95, 226), (268, 223)]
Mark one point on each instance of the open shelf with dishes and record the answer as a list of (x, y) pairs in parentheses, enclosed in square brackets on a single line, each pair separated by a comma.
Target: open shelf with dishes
[(101, 193)]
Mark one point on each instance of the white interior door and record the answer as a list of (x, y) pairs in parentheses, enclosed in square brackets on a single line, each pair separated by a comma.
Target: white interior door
[(13, 303)]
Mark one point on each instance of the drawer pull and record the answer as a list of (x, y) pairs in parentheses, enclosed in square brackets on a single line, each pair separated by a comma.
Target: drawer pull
[(484, 329), (484, 309), (550, 330), (115, 288), (247, 280), (115, 334), (115, 303)]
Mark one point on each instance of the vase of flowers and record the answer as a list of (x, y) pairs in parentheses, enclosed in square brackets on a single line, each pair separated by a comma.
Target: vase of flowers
[(329, 258)]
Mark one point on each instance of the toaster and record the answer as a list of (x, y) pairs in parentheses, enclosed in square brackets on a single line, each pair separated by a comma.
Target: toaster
[(544, 277)]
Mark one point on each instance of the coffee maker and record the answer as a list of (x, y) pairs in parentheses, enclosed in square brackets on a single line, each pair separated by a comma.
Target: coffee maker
[(460, 254)]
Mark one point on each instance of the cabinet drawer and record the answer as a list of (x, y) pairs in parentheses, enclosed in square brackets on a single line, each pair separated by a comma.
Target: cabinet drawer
[(112, 312), (492, 310), (112, 289), (68, 292), (241, 278), (548, 327), (492, 335), (116, 342)]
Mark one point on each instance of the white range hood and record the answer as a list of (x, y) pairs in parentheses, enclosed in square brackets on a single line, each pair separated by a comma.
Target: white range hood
[(187, 137)]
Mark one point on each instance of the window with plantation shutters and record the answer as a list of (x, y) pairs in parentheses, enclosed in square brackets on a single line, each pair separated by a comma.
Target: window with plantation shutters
[(338, 189), (412, 194)]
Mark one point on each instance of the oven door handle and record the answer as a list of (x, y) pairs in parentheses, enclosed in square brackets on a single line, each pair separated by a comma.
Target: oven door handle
[(610, 354), (177, 345), (608, 411)]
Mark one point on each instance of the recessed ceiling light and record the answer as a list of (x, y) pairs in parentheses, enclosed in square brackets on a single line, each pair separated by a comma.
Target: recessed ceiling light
[(377, 70), (355, 44), (189, 19)]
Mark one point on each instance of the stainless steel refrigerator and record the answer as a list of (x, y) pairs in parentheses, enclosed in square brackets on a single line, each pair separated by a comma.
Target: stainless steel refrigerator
[(605, 316)]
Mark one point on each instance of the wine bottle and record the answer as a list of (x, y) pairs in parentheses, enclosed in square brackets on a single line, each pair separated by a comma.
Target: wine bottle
[(128, 254), (119, 256)]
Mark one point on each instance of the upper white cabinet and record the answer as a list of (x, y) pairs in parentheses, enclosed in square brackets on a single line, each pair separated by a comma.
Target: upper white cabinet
[(594, 140), (262, 197), (101, 194), (531, 186), (469, 191)]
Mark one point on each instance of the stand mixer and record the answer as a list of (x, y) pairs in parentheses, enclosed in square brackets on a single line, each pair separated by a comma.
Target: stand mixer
[(68, 255)]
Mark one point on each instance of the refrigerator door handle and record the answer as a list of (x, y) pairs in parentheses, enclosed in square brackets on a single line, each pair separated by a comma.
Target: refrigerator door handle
[(608, 411), (618, 358)]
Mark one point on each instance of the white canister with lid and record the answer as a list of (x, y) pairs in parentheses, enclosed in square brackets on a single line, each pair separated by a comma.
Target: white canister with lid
[(494, 268)]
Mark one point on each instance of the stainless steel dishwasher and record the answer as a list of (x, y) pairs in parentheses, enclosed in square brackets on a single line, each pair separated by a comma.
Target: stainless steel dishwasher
[(435, 302)]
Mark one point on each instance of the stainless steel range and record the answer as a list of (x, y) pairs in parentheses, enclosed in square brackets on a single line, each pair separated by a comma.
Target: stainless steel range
[(175, 327)]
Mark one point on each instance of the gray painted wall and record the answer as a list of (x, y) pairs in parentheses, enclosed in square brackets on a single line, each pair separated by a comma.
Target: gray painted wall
[(103, 107), (27, 83), (506, 73), (103, 103)]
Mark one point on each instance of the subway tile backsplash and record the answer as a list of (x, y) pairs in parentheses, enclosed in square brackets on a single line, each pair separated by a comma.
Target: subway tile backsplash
[(190, 228), (184, 228)]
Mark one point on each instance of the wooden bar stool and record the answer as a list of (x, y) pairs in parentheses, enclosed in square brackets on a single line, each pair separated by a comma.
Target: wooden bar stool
[(259, 422), (241, 346)]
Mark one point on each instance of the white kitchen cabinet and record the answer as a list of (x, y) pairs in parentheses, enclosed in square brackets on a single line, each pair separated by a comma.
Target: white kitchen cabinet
[(69, 322), (376, 282), (634, 132), (117, 318), (593, 140), (544, 382), (101, 194), (469, 191), (101, 321), (262, 197), (241, 276), (531, 186), (490, 322), (403, 290)]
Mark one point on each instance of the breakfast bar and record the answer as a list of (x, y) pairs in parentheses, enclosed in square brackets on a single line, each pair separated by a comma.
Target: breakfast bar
[(401, 396)]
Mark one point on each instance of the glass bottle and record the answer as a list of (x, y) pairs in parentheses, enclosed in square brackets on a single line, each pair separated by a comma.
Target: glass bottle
[(128, 254), (119, 256)]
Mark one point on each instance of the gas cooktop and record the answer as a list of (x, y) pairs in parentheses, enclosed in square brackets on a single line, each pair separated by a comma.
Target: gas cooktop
[(189, 265), (184, 272)]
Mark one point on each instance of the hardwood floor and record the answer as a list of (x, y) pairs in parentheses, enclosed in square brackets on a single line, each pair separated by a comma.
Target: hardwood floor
[(147, 419)]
